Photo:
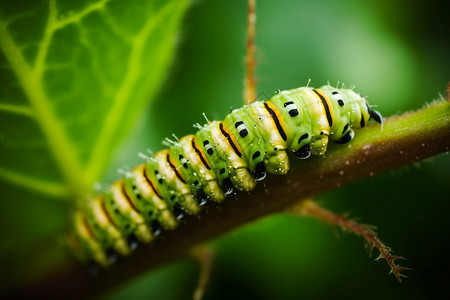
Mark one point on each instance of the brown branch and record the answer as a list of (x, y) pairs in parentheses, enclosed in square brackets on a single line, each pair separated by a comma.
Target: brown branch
[(405, 139)]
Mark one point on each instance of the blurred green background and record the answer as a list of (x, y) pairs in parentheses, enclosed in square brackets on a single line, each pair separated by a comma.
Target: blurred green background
[(396, 52)]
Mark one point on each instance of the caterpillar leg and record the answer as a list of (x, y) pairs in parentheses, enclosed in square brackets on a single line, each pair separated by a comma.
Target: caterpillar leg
[(213, 189), (278, 163), (243, 179), (308, 207), (204, 256), (319, 146)]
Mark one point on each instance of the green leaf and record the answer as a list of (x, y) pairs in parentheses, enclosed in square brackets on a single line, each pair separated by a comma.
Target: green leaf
[(75, 77)]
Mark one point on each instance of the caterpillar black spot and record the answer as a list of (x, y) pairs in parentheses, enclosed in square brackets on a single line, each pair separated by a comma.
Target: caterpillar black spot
[(222, 156)]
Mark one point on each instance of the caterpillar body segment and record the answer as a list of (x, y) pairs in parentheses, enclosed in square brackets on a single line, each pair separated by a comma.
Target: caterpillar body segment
[(178, 190), (84, 243), (221, 157), (104, 228), (148, 182), (229, 150), (212, 159), (198, 171), (275, 158)]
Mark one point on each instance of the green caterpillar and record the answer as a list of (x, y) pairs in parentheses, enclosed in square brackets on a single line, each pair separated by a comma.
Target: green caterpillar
[(222, 156)]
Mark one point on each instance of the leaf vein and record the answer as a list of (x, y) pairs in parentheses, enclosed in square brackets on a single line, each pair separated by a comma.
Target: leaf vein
[(17, 109), (61, 147), (75, 18), (117, 113), (49, 188)]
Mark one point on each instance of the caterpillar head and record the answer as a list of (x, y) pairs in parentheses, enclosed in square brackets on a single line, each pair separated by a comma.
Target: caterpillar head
[(349, 110)]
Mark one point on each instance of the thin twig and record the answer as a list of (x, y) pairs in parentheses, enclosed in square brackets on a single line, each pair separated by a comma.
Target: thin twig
[(310, 208), (250, 81), (204, 256), (448, 92)]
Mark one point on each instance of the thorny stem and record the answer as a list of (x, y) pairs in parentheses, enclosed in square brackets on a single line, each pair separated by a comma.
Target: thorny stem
[(310, 208), (404, 139)]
